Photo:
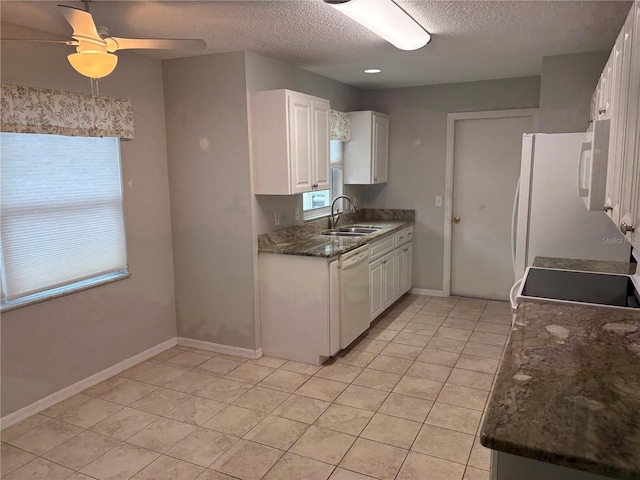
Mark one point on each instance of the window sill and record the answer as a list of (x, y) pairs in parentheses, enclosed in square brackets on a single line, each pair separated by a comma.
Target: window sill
[(9, 305), (316, 213)]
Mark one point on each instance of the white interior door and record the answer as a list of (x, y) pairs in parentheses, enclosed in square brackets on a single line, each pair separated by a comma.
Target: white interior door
[(486, 167)]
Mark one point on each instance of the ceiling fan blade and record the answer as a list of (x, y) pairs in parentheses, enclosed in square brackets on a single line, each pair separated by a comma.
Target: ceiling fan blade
[(64, 42), (155, 43), (84, 28)]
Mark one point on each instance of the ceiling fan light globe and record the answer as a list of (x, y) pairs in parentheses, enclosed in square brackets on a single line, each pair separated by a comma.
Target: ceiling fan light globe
[(93, 64)]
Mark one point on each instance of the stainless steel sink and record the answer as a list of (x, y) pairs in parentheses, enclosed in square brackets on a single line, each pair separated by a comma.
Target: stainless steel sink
[(352, 231), (357, 229), (338, 233), (373, 227)]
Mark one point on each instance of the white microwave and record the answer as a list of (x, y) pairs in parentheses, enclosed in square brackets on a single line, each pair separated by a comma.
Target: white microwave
[(592, 166)]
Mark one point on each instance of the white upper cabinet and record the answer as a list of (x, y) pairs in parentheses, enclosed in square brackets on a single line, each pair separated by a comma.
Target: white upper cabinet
[(630, 185), (617, 70), (604, 91), (290, 142), (366, 155), (622, 202)]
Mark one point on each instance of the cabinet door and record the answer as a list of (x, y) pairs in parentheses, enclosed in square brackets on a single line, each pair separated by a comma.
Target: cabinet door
[(604, 101), (403, 269), (380, 148), (376, 288), (401, 266), (594, 104), (619, 87), (389, 274), (630, 186), (300, 142), (408, 282), (321, 178)]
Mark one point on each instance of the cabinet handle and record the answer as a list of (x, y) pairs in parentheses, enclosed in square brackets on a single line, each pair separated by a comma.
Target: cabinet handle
[(624, 228), (607, 208), (602, 110), (384, 262), (406, 249), (590, 121), (375, 179)]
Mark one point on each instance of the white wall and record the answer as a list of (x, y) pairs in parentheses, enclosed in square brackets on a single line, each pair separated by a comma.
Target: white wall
[(50, 345), (417, 155), (209, 172), (568, 81)]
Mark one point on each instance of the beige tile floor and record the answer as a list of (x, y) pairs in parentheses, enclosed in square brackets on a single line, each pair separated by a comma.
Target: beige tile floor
[(405, 403)]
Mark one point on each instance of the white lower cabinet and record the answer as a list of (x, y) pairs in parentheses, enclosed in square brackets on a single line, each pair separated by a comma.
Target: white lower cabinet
[(376, 288), (389, 270), (382, 283), (299, 307), (403, 264)]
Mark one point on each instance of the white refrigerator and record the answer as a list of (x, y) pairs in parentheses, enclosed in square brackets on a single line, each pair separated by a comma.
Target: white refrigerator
[(549, 217)]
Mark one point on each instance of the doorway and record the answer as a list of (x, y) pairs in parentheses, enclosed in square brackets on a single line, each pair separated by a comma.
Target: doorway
[(483, 166)]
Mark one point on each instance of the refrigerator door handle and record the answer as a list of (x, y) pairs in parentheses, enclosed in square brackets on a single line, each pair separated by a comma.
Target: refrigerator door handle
[(514, 221), (512, 295)]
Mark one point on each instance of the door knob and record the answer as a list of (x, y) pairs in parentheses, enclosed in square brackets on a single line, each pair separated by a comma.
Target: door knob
[(456, 220)]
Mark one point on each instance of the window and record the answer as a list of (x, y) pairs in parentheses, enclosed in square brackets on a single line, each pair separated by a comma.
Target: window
[(61, 222), (318, 204)]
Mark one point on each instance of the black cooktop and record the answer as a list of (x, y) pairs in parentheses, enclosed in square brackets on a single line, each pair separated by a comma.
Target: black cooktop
[(596, 288)]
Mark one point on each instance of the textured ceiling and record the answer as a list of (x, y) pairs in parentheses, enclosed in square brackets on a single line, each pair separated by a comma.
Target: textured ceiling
[(471, 40)]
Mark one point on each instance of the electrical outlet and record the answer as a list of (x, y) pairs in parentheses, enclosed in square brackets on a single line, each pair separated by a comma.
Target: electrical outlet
[(296, 214), (276, 218), (438, 201)]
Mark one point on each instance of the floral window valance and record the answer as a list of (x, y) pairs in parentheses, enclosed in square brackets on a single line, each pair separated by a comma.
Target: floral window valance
[(340, 126), (40, 110)]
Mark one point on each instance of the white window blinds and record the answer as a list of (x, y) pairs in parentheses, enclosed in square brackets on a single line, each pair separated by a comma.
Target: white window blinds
[(61, 211)]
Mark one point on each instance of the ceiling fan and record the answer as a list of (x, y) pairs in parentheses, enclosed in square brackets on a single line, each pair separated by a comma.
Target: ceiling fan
[(94, 57)]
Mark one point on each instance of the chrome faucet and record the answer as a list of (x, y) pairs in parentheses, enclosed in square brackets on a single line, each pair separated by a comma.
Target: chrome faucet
[(336, 216)]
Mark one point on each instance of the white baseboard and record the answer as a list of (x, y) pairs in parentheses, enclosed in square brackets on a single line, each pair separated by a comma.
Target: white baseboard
[(219, 348), (50, 400), (431, 293)]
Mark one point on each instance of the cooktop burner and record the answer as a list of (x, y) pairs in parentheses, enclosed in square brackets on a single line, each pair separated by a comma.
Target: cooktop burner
[(583, 287)]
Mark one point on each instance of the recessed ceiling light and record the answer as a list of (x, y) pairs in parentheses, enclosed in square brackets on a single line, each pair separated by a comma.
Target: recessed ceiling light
[(372, 70)]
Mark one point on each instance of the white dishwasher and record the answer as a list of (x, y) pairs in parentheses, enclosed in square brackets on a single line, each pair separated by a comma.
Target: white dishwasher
[(353, 268)]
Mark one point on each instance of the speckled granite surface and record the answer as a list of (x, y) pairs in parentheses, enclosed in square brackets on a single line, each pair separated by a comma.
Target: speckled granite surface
[(568, 389), (306, 239), (621, 268)]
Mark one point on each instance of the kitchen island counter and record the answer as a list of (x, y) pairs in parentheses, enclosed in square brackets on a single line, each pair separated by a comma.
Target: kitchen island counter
[(568, 389)]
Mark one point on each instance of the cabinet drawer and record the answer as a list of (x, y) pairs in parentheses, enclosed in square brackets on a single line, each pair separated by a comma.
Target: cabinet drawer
[(404, 236), (382, 246)]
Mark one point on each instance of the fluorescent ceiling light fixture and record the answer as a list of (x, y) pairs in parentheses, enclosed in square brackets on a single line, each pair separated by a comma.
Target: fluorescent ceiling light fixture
[(372, 70), (386, 19)]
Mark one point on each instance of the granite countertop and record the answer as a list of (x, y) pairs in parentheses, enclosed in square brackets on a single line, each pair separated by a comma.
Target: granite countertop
[(316, 245), (568, 389), (598, 266), (306, 239)]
